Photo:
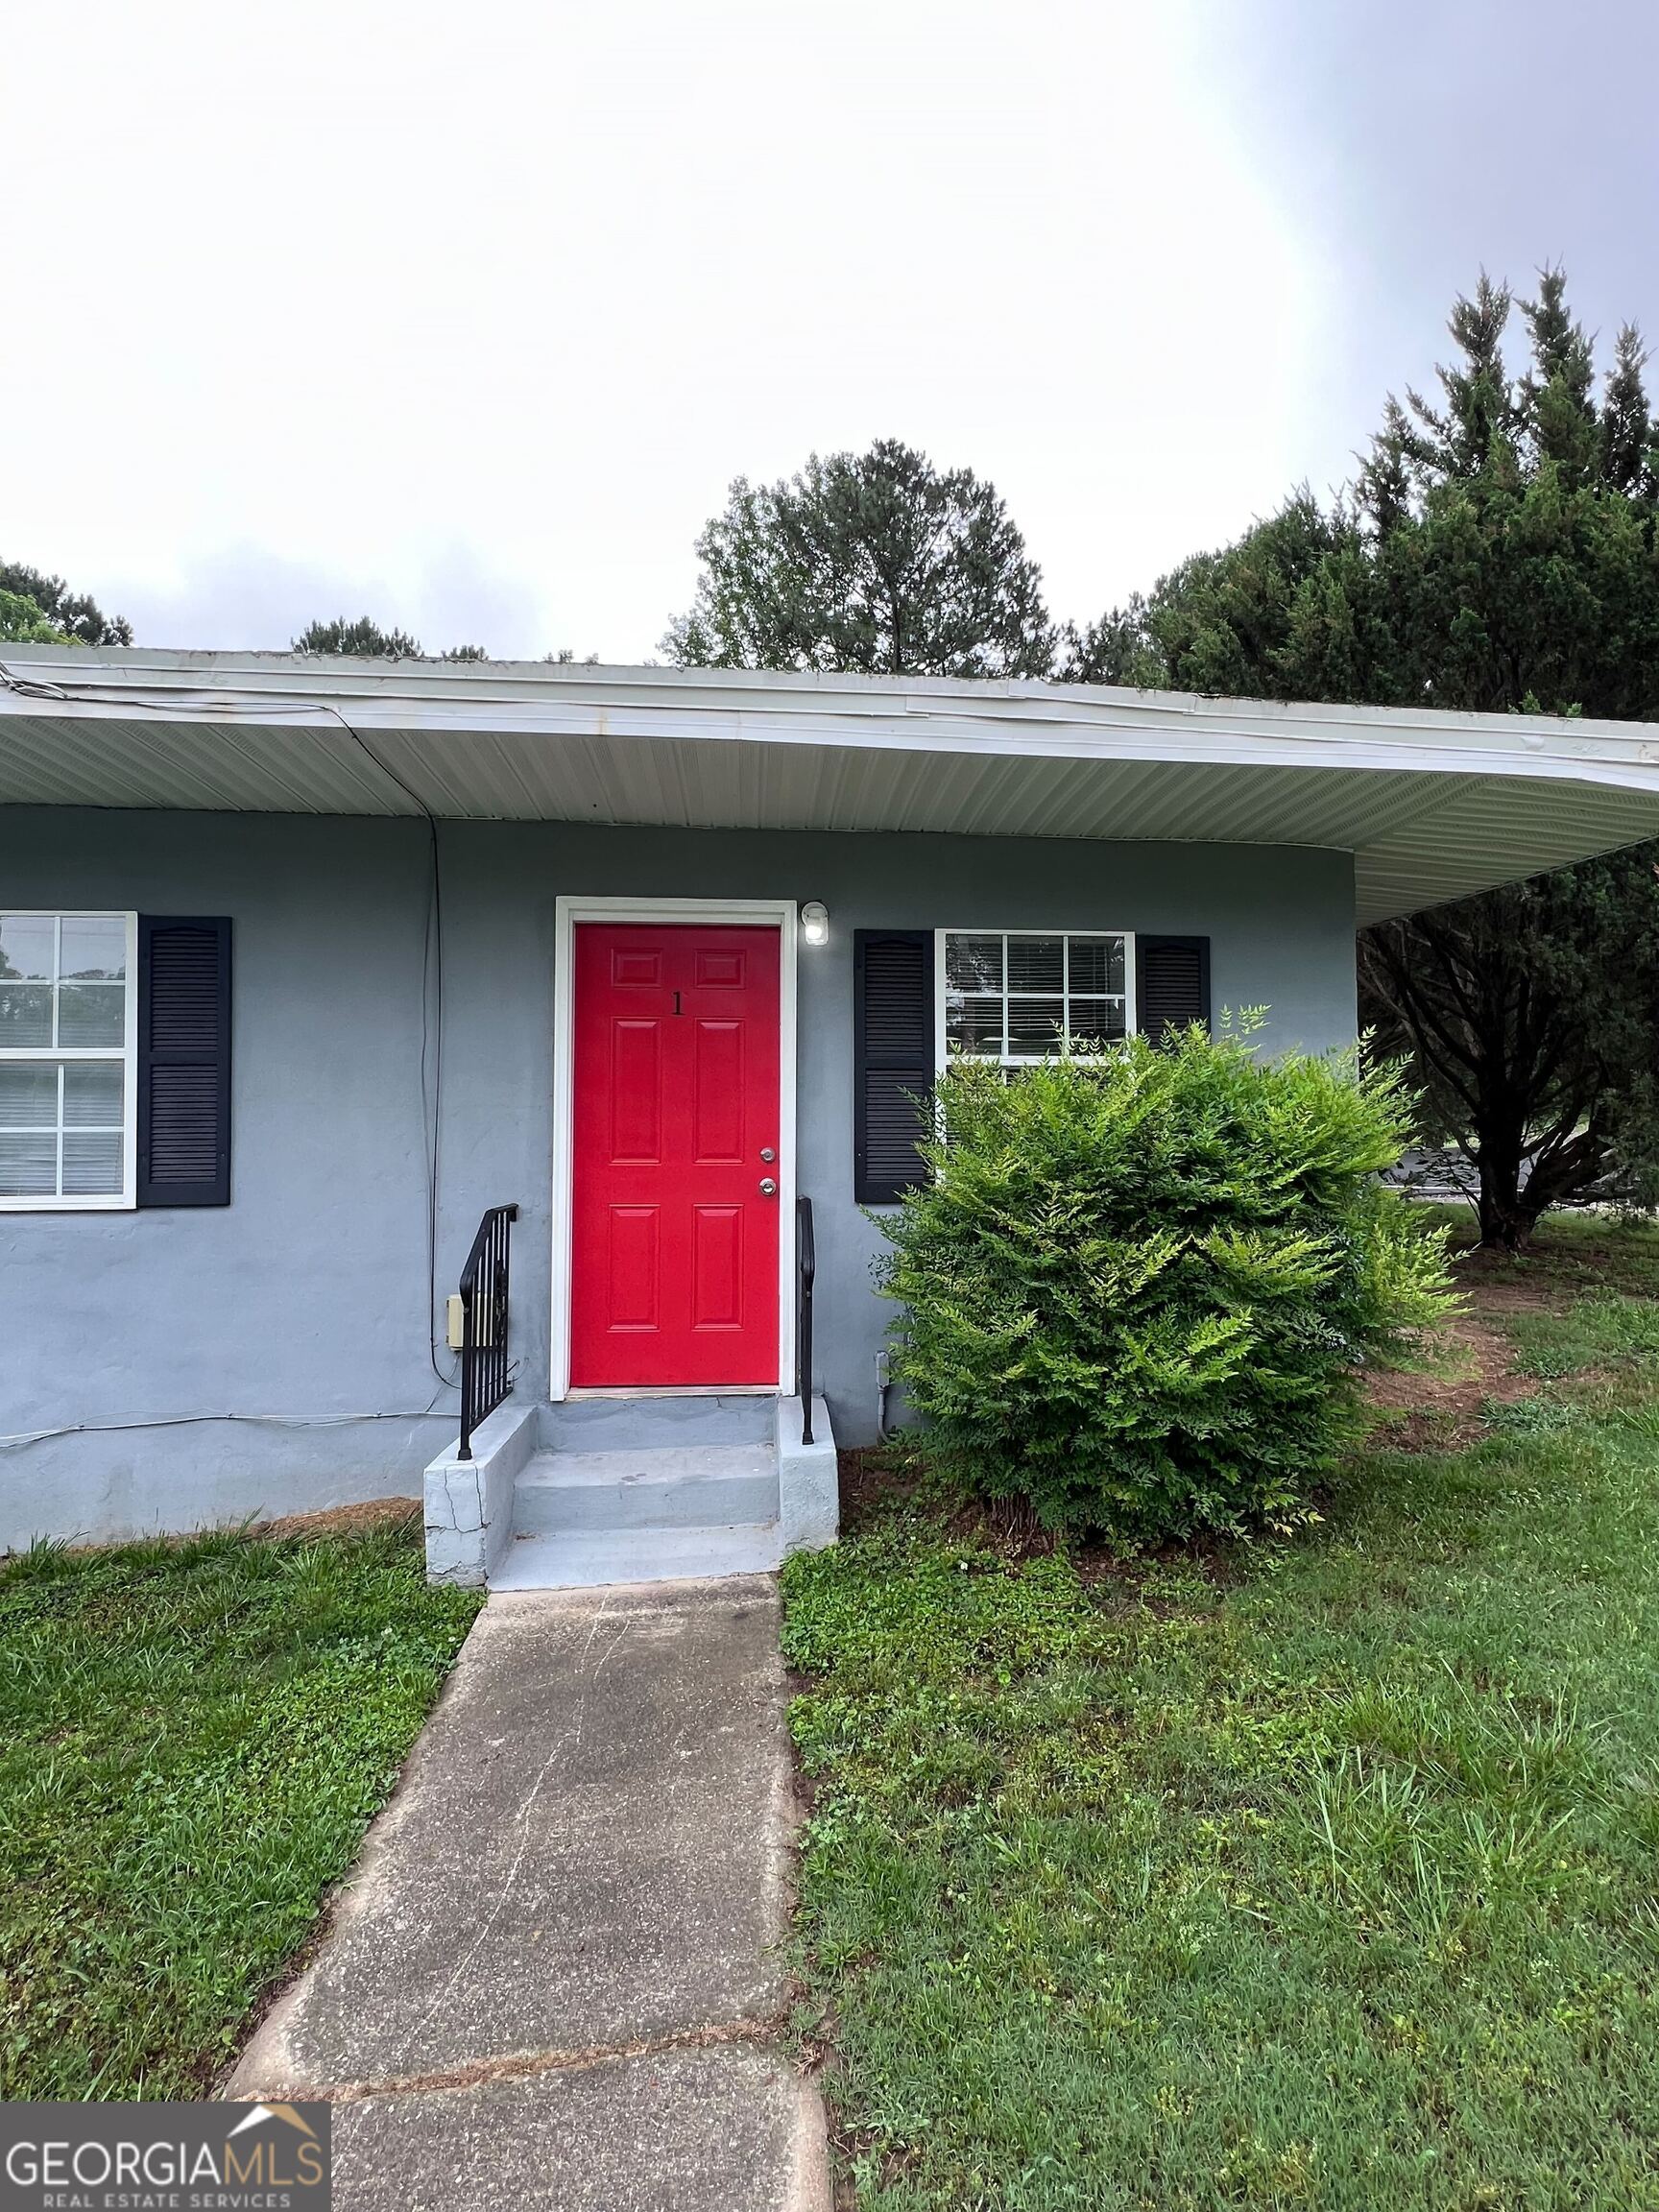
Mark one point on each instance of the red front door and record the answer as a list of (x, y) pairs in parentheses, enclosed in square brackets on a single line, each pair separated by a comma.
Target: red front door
[(676, 1137)]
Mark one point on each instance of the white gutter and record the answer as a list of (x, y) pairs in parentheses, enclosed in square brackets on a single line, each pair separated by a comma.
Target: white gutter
[(1014, 720)]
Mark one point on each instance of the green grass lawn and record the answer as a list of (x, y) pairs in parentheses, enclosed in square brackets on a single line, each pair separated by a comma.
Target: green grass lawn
[(1319, 1874), (192, 1740)]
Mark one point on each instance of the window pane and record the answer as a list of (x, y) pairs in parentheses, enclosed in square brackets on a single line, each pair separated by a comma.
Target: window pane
[(93, 1014), (1034, 1027), (974, 963), (25, 1014), (94, 1091), (26, 946), (28, 1165), (64, 984), (1035, 963), (1095, 1018), (28, 1095), (94, 948), (1098, 964), (974, 1025), (91, 1165)]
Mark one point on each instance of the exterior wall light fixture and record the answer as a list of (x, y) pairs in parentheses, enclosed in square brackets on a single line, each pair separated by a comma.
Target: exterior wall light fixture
[(815, 921)]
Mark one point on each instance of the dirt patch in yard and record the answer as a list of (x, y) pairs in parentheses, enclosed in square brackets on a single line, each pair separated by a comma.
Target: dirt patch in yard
[(343, 1519), (1440, 1411), (1443, 1409), (873, 1480), (334, 1521)]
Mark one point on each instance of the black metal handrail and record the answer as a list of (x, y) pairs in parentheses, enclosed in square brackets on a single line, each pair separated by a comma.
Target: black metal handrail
[(486, 1379), (806, 1267)]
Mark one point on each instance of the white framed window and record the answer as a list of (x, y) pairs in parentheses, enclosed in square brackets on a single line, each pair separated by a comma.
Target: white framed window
[(1013, 996), (68, 1054)]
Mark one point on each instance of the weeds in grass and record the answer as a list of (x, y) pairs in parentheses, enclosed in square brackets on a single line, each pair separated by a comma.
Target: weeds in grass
[(1602, 1328)]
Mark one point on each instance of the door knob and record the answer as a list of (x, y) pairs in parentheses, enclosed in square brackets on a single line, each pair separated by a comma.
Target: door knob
[(768, 1188)]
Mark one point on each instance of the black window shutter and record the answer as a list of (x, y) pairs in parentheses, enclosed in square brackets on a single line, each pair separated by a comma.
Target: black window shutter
[(184, 1062), (1172, 984), (891, 1059)]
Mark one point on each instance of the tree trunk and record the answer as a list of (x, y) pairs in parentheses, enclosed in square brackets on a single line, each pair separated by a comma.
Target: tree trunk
[(1506, 1220)]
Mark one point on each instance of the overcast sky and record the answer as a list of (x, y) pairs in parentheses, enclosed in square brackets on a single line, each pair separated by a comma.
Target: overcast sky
[(465, 317)]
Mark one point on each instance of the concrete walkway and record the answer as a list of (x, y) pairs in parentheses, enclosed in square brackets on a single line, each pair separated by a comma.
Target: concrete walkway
[(554, 1979)]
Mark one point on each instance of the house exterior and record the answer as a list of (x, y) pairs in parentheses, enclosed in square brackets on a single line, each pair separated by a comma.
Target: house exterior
[(307, 966)]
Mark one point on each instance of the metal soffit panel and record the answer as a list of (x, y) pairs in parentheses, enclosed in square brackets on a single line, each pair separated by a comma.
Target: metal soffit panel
[(150, 763), (485, 776), (1418, 838), (1432, 806)]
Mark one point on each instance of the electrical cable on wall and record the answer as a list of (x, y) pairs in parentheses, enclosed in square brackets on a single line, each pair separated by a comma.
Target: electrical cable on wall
[(431, 1039), (23, 1436), (431, 980)]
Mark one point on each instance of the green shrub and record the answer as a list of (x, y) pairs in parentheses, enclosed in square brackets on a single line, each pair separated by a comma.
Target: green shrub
[(1140, 1287)]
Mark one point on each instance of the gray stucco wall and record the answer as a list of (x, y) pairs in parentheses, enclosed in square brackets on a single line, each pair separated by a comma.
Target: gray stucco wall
[(303, 1302)]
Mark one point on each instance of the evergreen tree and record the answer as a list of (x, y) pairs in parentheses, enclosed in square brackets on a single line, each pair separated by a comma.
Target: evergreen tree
[(1220, 617), (363, 640), (71, 615), (1498, 552), (1629, 458), (874, 561)]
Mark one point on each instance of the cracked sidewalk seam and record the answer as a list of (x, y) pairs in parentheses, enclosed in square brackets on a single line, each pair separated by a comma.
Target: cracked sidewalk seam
[(523, 2065)]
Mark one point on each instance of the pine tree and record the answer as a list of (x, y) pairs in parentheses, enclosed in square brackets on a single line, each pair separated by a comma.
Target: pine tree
[(1499, 553), (875, 562), (1629, 461), (1456, 441), (1556, 396), (363, 640)]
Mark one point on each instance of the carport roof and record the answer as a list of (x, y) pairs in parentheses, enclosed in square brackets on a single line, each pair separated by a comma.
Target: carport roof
[(1431, 805)]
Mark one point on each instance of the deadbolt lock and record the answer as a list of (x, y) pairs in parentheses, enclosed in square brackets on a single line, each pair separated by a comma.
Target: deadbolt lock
[(768, 1154)]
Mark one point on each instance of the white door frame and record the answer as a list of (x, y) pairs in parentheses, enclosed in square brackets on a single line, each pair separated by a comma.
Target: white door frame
[(778, 913)]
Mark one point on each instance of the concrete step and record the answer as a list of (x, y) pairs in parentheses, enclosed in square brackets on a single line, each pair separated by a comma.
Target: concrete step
[(592, 1559), (628, 1420), (674, 1486)]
